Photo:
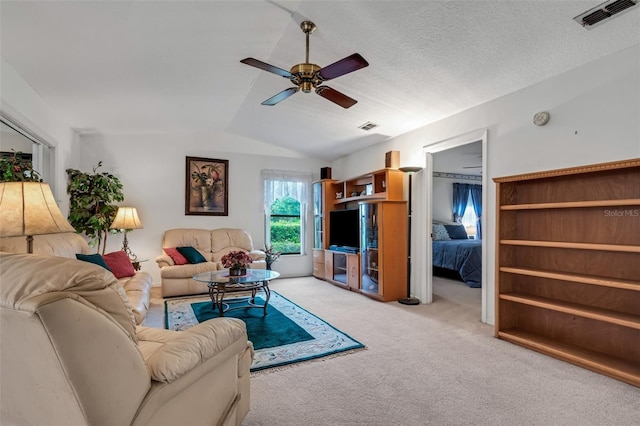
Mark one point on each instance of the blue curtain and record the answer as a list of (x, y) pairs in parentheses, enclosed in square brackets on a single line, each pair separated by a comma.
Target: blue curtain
[(460, 199), (476, 199)]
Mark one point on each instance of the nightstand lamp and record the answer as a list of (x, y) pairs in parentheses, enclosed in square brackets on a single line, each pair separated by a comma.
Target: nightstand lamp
[(471, 231), (28, 209), (127, 219)]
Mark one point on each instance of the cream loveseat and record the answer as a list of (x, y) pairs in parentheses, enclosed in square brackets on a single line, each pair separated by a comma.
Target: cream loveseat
[(72, 355), (212, 245), (68, 244)]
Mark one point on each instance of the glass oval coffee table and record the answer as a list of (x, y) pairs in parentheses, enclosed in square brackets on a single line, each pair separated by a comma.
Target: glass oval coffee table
[(220, 284)]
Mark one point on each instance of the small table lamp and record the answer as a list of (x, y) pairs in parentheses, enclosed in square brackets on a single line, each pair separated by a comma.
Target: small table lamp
[(127, 219), (28, 209), (471, 231)]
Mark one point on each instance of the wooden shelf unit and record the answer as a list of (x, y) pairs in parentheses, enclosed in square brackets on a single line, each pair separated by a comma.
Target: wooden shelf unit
[(382, 190), (385, 184), (568, 265)]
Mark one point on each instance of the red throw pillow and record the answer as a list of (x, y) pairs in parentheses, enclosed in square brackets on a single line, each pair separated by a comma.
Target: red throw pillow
[(177, 257), (119, 263)]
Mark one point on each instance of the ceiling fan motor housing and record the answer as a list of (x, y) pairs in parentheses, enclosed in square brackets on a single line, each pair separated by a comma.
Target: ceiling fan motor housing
[(306, 76)]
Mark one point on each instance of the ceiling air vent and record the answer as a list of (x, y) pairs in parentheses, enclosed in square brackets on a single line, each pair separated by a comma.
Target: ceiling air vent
[(604, 12), (368, 126)]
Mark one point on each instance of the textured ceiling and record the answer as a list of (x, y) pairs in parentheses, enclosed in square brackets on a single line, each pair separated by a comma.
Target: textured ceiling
[(173, 66)]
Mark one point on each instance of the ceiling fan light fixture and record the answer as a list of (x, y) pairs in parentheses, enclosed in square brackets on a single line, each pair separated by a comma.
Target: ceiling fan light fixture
[(307, 76)]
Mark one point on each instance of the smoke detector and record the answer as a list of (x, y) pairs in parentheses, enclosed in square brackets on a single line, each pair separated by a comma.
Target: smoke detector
[(604, 12)]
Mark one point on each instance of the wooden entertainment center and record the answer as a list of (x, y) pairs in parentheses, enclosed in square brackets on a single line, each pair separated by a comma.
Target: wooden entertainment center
[(378, 266), (568, 265)]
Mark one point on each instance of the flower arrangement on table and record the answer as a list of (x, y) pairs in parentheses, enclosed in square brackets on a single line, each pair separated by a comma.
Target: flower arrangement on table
[(236, 261)]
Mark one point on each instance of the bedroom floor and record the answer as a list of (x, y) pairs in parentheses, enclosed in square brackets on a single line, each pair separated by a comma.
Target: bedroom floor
[(464, 302)]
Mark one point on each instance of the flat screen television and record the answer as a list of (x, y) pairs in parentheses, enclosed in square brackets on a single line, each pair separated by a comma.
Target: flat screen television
[(344, 228)]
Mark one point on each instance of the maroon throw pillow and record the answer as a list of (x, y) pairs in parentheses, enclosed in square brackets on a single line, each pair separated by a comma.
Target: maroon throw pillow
[(177, 257), (119, 263)]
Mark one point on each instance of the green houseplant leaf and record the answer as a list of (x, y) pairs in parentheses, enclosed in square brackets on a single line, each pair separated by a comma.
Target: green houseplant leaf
[(91, 208)]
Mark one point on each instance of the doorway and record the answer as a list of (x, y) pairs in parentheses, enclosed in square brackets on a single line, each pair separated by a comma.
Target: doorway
[(425, 290)]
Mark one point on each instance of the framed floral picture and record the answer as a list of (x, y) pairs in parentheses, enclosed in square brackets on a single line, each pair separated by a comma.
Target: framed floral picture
[(207, 187)]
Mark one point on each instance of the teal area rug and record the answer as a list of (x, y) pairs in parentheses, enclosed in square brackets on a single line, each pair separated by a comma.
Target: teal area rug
[(287, 334)]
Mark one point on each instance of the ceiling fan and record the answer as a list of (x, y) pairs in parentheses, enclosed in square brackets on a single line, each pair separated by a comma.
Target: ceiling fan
[(308, 77)]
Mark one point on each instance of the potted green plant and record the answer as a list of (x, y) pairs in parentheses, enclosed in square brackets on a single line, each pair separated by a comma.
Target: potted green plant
[(91, 208), (15, 168), (272, 256)]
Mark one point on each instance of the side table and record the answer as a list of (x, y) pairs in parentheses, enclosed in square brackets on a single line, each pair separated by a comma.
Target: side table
[(136, 263)]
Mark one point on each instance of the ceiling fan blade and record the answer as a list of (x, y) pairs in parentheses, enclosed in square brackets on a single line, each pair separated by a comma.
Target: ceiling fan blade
[(343, 66), (281, 96), (266, 67), (336, 97)]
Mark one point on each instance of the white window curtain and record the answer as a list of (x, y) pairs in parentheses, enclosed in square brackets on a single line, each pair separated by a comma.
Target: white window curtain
[(297, 185)]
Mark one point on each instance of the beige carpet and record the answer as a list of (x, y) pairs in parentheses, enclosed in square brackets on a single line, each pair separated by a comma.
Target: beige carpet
[(426, 365)]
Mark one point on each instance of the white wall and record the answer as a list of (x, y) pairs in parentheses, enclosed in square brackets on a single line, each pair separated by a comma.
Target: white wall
[(20, 103), (152, 171), (595, 117)]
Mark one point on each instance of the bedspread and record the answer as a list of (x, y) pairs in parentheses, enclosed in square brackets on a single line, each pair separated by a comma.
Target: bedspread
[(464, 256)]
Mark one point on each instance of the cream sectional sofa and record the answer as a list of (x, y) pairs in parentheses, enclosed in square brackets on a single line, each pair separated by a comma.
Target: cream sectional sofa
[(212, 244), (68, 244), (72, 354)]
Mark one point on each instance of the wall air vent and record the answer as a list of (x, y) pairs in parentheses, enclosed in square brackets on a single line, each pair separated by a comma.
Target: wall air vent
[(604, 12), (368, 126)]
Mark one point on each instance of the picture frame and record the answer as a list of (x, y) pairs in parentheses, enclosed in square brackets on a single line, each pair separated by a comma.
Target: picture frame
[(207, 187)]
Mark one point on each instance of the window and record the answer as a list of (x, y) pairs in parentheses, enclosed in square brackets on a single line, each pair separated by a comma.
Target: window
[(285, 207), (469, 218), (15, 138)]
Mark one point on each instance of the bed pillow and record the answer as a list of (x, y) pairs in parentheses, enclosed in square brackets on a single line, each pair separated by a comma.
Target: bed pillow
[(457, 232), (119, 263), (93, 258), (440, 232), (177, 257), (192, 255)]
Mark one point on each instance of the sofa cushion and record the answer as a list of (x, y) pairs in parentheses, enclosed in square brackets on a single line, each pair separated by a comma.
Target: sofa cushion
[(176, 256), (224, 240), (184, 350), (182, 237), (119, 263), (188, 271), (191, 254), (96, 259)]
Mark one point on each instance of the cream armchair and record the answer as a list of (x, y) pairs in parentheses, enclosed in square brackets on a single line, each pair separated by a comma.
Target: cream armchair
[(71, 354)]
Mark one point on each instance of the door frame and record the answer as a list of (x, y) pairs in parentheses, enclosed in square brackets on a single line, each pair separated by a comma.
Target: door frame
[(424, 288)]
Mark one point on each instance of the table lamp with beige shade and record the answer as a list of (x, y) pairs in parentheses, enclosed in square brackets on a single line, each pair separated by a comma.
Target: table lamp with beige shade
[(127, 219), (28, 209)]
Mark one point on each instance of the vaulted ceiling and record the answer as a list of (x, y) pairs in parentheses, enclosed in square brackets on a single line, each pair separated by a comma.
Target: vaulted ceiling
[(174, 67)]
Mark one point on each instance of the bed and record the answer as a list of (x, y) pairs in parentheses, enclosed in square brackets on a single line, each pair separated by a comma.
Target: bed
[(463, 256)]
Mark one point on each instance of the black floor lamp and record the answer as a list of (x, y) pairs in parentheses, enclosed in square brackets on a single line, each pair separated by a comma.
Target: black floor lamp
[(409, 300)]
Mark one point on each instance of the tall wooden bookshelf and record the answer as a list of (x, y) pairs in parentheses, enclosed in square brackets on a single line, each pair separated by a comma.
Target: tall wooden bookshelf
[(568, 265)]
